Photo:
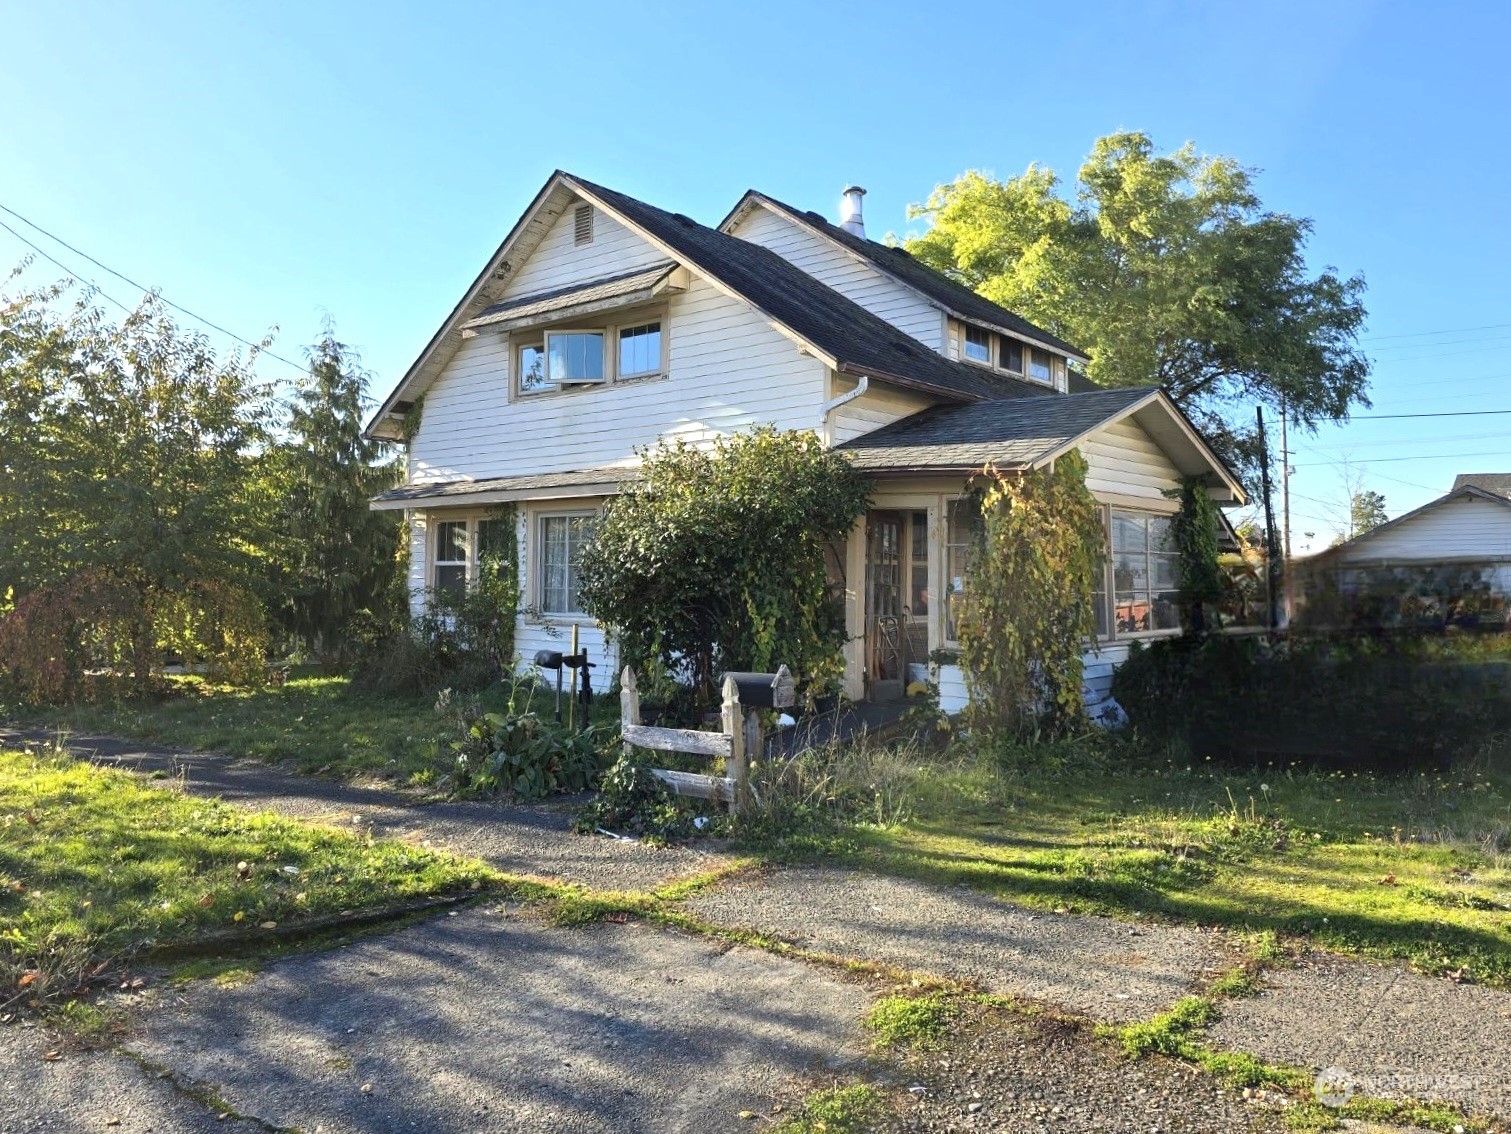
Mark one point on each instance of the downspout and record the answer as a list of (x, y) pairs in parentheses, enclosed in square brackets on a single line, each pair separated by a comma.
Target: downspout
[(828, 407)]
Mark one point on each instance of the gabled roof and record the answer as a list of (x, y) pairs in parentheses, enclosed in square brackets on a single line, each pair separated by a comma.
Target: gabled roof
[(955, 298), (1498, 483), (1464, 492), (841, 331), (834, 328), (1029, 433)]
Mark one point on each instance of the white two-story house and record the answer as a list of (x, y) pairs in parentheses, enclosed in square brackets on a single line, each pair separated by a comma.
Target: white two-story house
[(603, 324)]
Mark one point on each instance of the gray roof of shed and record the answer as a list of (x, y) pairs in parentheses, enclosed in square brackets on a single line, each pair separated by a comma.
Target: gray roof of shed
[(857, 340), (1009, 434), (1498, 483)]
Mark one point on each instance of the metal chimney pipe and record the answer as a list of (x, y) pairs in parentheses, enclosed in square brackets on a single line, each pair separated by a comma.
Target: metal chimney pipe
[(851, 218)]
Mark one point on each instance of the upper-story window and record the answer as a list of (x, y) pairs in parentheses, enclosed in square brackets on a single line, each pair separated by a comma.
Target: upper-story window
[(1041, 366), (978, 344), (574, 357), (1003, 352)]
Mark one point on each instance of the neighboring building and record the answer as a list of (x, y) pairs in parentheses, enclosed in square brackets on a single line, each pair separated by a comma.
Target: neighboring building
[(1446, 564), (603, 324)]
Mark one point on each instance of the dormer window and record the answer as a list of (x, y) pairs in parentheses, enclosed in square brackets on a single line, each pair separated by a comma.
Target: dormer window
[(1041, 366), (1009, 354), (978, 345)]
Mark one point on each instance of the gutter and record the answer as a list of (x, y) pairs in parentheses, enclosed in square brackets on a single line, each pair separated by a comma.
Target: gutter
[(844, 399)]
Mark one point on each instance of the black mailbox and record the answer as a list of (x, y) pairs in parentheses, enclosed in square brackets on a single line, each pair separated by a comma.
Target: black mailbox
[(764, 690), (548, 659)]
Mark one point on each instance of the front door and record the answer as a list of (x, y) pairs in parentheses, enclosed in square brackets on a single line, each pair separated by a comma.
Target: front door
[(886, 620)]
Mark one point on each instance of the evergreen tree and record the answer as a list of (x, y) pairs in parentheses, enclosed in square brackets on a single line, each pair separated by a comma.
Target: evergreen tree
[(338, 559)]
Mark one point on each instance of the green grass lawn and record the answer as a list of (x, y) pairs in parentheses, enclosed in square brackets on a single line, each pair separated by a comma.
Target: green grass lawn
[(1416, 868), (316, 724), (96, 865)]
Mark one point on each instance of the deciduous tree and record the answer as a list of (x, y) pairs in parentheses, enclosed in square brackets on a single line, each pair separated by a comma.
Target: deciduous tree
[(1167, 269)]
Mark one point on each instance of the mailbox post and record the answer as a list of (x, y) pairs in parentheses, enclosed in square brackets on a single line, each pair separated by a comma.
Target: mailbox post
[(757, 691)]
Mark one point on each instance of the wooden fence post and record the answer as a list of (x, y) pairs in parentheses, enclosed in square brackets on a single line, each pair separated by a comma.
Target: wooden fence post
[(731, 723), (754, 751), (629, 703)]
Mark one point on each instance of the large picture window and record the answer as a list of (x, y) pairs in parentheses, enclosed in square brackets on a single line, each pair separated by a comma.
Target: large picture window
[(1145, 574), (562, 539)]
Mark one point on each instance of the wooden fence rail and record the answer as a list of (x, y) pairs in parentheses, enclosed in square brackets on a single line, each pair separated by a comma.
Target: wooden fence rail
[(737, 740)]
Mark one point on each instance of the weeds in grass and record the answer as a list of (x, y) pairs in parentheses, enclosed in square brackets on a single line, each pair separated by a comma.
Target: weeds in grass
[(911, 1021), (842, 1110)]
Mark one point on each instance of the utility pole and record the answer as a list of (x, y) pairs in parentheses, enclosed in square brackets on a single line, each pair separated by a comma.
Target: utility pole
[(1285, 484), (1272, 545)]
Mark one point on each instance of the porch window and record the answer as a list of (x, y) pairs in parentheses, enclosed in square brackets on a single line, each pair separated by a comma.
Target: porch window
[(562, 539), (1099, 588), (450, 574), (960, 541), (918, 566), (1145, 574)]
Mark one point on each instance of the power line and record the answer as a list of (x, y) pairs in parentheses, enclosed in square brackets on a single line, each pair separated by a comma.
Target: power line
[(1419, 457), (144, 290), (1445, 413), (62, 266), (1425, 334)]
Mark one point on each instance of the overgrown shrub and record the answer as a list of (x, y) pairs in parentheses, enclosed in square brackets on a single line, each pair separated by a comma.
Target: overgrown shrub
[(1028, 597), (1388, 705), (515, 752), (714, 559), (461, 643), (632, 801)]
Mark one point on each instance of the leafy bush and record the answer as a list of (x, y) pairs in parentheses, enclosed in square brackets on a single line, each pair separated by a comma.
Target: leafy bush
[(515, 752), (715, 559), (1385, 704), (632, 801)]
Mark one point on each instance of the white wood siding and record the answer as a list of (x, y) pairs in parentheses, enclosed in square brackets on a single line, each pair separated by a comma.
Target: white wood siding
[(419, 561), (1462, 529), (560, 262), (728, 371), (846, 273), (1124, 462), (879, 405)]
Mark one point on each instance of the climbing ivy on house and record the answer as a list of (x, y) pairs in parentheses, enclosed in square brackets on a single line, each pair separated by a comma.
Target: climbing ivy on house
[(1193, 531), (1028, 612), (713, 559)]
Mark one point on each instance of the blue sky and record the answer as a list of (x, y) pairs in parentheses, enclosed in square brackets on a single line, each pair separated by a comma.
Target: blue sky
[(265, 164)]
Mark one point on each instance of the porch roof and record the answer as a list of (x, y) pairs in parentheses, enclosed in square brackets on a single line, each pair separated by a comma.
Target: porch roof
[(1008, 434), (1029, 432), (502, 489)]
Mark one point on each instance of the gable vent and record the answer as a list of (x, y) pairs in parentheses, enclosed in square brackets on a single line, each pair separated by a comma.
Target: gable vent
[(582, 225)]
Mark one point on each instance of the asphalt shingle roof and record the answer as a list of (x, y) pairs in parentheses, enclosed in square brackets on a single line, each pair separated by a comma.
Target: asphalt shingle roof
[(935, 284), (1009, 434), (838, 326), (461, 489), (1497, 483), (609, 287)]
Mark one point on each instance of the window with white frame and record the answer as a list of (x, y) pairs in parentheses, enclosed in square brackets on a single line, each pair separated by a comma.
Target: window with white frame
[(1041, 365), (561, 540), (574, 358), (640, 350), (963, 531), (1145, 574), (1003, 352), (449, 575)]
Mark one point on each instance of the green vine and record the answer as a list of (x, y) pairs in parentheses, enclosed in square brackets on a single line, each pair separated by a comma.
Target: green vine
[(412, 418), (1193, 531), (1028, 609)]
